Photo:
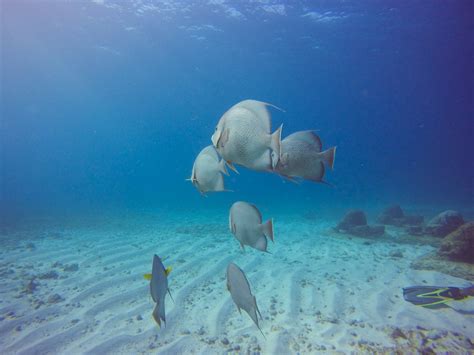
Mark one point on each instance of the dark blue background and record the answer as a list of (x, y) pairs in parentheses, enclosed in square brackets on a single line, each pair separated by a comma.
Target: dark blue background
[(97, 118)]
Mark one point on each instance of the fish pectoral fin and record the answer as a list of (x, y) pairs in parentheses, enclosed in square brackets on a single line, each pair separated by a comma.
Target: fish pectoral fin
[(169, 292), (232, 167), (222, 167), (168, 270), (147, 276), (291, 179)]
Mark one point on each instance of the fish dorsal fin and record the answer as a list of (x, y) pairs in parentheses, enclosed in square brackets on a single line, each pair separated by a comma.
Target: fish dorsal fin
[(308, 137), (211, 151), (260, 110), (256, 210)]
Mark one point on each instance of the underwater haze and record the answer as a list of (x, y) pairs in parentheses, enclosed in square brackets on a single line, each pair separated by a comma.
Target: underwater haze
[(105, 105)]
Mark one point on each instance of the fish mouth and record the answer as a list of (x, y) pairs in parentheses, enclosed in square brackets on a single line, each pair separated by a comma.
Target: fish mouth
[(215, 139), (275, 160)]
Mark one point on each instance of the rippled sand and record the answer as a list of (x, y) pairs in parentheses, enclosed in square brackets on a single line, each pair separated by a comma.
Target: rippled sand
[(316, 290)]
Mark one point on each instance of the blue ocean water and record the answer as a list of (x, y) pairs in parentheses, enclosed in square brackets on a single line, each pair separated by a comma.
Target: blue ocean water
[(106, 104)]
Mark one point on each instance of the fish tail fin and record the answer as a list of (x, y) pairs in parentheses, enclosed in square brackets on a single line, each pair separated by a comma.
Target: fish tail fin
[(162, 310), (222, 167), (156, 315), (267, 229), (275, 145), (328, 156)]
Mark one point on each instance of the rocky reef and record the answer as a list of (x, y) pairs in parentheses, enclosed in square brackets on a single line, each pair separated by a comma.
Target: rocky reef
[(455, 255), (355, 223), (459, 245), (444, 223), (394, 215)]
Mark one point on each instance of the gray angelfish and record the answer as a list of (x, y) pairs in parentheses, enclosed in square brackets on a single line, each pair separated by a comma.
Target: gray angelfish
[(245, 223), (242, 136), (302, 157), (158, 288), (239, 289), (207, 171)]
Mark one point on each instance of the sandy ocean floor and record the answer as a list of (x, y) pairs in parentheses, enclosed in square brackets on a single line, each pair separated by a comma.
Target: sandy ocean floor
[(78, 287)]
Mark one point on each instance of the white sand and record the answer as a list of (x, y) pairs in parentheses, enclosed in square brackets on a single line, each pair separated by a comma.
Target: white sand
[(316, 291)]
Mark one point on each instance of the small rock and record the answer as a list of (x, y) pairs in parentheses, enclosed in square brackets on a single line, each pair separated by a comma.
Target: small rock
[(397, 333), (71, 267), (30, 246), (49, 275), (139, 317), (55, 298), (225, 341), (396, 254), (352, 219), (211, 340), (18, 328), (390, 215), (31, 286)]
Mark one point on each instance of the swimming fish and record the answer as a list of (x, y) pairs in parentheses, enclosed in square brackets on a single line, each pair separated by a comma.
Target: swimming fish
[(301, 156), (242, 136), (207, 171), (245, 223), (158, 288), (239, 289)]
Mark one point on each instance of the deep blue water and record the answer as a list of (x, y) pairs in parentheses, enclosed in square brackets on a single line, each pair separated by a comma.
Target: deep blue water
[(105, 106)]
